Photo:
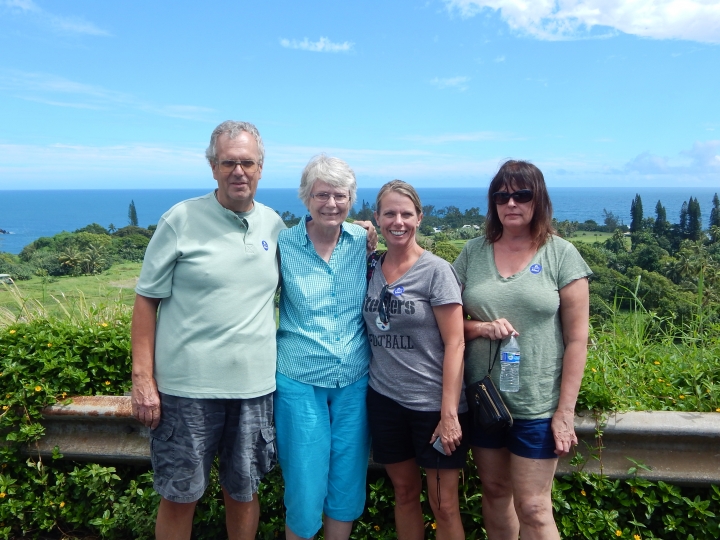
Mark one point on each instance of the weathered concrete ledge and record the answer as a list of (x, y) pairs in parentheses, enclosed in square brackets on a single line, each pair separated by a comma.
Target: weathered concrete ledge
[(678, 447)]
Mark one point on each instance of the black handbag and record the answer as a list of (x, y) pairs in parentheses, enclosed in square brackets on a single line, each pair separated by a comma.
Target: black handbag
[(489, 411)]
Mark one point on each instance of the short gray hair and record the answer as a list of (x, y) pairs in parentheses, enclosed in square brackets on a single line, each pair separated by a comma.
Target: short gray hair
[(233, 129), (331, 170)]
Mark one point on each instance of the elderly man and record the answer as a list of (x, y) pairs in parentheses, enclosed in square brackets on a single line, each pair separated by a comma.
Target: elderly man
[(204, 365)]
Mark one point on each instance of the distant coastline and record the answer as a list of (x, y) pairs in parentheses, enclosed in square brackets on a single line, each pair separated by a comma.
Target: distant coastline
[(28, 214)]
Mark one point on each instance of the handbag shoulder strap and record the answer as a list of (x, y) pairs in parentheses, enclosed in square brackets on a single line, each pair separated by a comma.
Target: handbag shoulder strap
[(372, 262), (490, 355)]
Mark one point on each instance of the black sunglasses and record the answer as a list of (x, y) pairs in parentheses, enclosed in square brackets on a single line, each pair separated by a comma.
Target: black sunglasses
[(384, 307), (520, 196)]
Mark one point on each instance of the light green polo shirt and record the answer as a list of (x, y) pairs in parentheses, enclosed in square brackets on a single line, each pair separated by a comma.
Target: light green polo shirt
[(530, 301), (216, 272)]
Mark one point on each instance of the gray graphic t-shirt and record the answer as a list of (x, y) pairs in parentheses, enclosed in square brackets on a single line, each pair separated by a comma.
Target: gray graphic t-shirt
[(408, 352)]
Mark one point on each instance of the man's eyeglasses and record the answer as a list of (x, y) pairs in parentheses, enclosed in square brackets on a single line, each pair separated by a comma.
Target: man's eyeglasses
[(521, 196), (323, 197), (384, 307), (247, 165)]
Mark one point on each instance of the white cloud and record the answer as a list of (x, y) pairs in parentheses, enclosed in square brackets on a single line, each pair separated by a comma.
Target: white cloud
[(500, 58), (61, 92), (322, 45), (70, 25), (702, 160), (693, 20), (458, 83)]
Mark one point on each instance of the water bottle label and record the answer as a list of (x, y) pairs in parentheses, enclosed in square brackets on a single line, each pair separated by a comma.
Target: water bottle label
[(510, 357)]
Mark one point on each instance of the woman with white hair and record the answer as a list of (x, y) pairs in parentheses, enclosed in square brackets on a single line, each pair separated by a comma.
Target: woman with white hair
[(323, 357)]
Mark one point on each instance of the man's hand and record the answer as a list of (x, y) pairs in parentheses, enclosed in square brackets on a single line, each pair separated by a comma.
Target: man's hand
[(372, 237), (146, 402)]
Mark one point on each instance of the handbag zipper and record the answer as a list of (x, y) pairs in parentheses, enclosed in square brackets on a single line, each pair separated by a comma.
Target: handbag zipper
[(497, 412)]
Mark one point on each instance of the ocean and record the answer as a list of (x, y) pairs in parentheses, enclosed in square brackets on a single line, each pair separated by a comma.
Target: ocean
[(28, 215)]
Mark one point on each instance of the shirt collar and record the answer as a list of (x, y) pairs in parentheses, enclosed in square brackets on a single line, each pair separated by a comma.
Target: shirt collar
[(303, 229)]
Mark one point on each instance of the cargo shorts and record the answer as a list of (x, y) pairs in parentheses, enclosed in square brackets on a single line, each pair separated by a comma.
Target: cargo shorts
[(193, 431)]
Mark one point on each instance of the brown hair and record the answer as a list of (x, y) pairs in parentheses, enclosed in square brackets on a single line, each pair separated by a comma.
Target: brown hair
[(403, 188), (521, 175)]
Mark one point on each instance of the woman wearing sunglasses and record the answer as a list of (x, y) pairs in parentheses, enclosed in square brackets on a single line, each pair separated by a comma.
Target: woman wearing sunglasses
[(323, 356), (523, 280), (413, 314)]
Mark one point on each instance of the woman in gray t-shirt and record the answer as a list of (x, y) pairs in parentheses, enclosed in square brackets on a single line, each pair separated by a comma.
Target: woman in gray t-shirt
[(413, 314)]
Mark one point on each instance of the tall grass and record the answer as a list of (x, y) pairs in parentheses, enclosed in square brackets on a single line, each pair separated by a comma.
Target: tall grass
[(74, 309), (638, 360)]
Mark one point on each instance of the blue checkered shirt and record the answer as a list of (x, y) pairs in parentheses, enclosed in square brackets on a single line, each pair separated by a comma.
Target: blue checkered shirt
[(321, 339)]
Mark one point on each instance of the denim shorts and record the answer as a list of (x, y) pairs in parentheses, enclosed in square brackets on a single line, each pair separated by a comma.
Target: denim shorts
[(193, 431), (399, 434), (531, 439)]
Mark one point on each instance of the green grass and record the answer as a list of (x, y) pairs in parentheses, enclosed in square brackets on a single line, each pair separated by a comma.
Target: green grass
[(116, 283), (589, 237)]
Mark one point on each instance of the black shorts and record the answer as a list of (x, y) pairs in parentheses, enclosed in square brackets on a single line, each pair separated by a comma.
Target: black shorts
[(399, 434)]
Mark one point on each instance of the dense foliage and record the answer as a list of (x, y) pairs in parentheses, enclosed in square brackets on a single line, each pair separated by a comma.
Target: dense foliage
[(87, 251), (43, 361)]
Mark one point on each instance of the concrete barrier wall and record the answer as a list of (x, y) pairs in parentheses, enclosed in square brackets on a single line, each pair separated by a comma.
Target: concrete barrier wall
[(678, 447)]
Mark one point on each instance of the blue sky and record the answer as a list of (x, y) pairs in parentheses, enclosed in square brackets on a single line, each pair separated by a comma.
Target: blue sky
[(438, 93)]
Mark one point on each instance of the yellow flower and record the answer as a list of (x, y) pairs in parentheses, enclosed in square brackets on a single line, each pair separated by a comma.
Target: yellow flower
[(12, 331), (49, 344), (104, 324), (376, 527), (2, 495), (64, 395), (657, 364), (107, 383), (38, 388), (618, 533), (681, 396), (660, 380), (594, 370), (582, 492), (5, 407), (636, 537), (434, 525), (62, 504), (717, 410), (668, 384)]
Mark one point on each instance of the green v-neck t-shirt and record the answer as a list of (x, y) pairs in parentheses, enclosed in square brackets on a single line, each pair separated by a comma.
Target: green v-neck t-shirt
[(530, 301)]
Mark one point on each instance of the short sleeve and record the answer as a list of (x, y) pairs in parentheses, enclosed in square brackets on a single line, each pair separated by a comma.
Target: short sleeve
[(445, 286), (156, 276), (572, 266), (460, 264)]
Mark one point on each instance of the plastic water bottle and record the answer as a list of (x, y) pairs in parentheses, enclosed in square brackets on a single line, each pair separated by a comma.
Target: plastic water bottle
[(510, 366)]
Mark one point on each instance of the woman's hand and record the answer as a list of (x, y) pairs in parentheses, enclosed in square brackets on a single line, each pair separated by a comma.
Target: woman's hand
[(563, 429), (449, 432), (497, 329)]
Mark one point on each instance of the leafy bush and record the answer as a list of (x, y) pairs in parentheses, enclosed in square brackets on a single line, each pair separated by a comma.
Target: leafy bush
[(42, 361)]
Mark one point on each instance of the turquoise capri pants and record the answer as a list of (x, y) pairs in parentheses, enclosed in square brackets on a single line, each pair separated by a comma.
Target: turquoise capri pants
[(323, 445)]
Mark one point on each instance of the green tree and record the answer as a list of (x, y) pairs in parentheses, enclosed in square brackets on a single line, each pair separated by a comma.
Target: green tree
[(611, 221), (715, 212), (661, 225), (636, 213), (683, 224), (132, 214), (694, 225)]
